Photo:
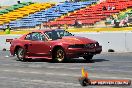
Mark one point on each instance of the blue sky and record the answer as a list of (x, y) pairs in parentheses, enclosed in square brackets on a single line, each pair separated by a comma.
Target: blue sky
[(11, 2)]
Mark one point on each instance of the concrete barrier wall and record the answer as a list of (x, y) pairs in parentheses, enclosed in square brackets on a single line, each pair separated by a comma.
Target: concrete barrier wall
[(118, 41), (115, 41), (128, 42), (3, 43)]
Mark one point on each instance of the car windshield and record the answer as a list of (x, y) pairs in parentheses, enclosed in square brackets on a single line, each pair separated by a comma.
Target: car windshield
[(57, 34)]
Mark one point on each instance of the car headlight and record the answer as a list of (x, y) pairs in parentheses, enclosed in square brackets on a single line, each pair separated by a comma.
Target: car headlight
[(91, 45), (96, 44)]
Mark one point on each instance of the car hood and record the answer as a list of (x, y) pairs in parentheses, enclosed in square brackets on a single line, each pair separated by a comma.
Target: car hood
[(76, 40)]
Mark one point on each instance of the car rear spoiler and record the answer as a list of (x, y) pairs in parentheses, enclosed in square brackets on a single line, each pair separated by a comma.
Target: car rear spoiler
[(9, 40)]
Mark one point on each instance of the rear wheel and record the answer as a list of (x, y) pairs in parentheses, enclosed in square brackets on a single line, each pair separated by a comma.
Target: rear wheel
[(88, 58), (21, 54), (59, 55)]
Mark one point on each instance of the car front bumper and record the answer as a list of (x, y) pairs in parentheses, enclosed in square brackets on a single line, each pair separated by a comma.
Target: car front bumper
[(80, 52)]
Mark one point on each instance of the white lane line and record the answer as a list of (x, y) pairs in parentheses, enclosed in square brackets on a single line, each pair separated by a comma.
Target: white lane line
[(64, 67), (108, 70), (92, 69), (36, 81), (121, 61), (53, 82), (87, 68), (79, 68), (64, 74), (40, 73)]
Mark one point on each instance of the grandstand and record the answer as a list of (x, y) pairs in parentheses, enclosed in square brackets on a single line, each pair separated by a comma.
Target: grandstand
[(30, 15), (36, 18), (4, 12), (14, 7), (93, 14), (18, 11)]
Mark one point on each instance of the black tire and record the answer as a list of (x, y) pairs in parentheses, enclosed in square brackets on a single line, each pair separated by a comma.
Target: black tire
[(88, 58), (59, 55), (21, 55)]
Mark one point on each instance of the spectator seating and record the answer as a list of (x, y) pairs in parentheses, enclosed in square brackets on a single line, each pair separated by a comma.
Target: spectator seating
[(93, 14), (14, 7), (36, 18), (13, 16)]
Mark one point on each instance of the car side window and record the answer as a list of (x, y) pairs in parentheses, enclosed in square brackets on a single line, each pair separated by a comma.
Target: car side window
[(43, 38), (28, 37), (36, 36), (49, 33)]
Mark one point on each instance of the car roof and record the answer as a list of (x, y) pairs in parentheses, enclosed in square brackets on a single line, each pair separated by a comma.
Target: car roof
[(44, 30)]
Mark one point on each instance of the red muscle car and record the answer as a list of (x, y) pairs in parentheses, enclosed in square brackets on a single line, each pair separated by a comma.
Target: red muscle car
[(58, 45)]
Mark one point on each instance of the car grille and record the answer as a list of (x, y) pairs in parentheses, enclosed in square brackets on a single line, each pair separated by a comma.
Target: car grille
[(89, 46), (79, 46)]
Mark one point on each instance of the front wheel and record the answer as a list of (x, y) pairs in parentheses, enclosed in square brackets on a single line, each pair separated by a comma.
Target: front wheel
[(59, 55), (88, 58)]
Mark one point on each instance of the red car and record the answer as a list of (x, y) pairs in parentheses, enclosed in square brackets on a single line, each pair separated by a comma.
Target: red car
[(58, 45)]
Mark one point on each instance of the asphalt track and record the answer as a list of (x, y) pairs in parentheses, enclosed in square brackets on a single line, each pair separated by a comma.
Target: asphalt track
[(43, 74)]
